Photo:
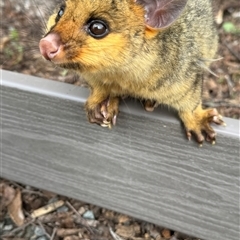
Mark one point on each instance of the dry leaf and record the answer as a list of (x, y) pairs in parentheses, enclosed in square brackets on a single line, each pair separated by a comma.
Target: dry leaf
[(68, 222), (123, 219), (139, 238), (7, 193), (72, 238), (128, 231), (15, 209), (166, 233), (3, 42), (64, 232)]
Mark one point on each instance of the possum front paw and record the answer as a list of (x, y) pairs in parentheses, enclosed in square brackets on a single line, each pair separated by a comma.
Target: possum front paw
[(198, 123), (103, 113)]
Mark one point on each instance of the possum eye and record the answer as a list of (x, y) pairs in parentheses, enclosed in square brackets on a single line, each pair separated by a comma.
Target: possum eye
[(97, 28), (60, 13)]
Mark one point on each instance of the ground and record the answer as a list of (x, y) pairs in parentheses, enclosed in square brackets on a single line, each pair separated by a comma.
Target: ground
[(21, 25)]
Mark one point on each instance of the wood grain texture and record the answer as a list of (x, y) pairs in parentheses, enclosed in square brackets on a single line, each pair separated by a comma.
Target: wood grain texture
[(143, 167)]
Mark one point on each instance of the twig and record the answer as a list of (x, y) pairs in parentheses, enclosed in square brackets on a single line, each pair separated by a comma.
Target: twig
[(19, 228), (73, 209), (82, 220), (26, 190), (43, 228), (46, 209), (230, 84), (232, 52), (114, 235), (33, 192), (53, 234), (16, 185)]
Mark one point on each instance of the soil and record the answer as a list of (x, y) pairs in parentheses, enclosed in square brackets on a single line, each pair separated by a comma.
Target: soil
[(21, 25)]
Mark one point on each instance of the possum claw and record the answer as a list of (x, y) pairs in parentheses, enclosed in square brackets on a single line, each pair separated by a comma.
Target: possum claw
[(104, 113), (198, 123)]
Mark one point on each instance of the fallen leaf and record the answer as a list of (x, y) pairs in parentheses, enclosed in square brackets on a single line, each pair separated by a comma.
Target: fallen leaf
[(72, 238), (68, 222), (166, 233), (7, 193), (128, 231), (64, 232), (123, 219), (15, 209), (3, 42)]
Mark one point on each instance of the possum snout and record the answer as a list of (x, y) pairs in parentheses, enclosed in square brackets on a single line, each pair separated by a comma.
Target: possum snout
[(51, 47)]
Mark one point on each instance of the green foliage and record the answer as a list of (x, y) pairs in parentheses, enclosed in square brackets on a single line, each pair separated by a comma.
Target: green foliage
[(13, 51), (229, 27), (13, 34)]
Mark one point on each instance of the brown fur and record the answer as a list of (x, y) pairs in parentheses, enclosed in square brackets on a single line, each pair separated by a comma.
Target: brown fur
[(162, 65)]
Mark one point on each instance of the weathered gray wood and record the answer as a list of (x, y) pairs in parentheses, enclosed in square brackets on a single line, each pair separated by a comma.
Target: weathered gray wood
[(143, 167)]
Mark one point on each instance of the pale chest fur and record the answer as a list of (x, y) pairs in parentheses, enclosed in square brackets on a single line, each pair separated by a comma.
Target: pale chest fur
[(136, 84)]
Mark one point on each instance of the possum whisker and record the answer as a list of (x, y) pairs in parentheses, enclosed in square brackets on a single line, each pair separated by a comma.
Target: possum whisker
[(125, 103), (2, 64), (211, 60), (203, 65), (41, 15)]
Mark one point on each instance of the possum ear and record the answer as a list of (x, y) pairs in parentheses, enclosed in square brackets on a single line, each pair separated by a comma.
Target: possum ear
[(162, 13)]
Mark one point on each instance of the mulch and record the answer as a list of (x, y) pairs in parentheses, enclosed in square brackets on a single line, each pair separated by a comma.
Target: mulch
[(29, 213)]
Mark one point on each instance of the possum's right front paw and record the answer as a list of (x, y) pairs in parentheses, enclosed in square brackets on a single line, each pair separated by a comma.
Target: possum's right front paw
[(103, 113)]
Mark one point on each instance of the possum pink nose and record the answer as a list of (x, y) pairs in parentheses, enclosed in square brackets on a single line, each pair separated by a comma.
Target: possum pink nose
[(50, 46)]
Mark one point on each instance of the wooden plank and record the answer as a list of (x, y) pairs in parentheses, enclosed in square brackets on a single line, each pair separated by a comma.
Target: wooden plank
[(143, 167)]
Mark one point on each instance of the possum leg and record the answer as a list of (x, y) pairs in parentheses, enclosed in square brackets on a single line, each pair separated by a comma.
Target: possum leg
[(102, 109), (198, 123)]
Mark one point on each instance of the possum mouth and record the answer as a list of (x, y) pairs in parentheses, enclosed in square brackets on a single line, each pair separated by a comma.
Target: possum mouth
[(71, 65)]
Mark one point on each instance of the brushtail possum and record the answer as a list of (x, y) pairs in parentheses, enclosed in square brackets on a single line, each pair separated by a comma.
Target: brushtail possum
[(155, 50)]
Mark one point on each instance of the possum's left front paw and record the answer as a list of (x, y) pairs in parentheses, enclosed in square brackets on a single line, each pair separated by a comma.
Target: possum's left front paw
[(198, 122)]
